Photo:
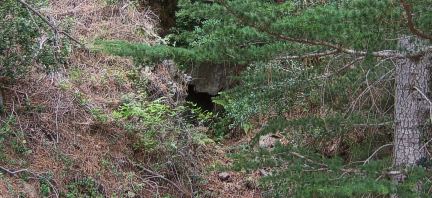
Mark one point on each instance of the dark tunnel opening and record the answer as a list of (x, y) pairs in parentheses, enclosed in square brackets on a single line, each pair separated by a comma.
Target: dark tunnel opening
[(202, 100)]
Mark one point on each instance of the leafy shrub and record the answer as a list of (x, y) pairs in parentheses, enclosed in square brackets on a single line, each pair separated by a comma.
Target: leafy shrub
[(12, 138), (99, 115), (157, 126), (196, 115), (220, 126), (45, 189), (85, 187)]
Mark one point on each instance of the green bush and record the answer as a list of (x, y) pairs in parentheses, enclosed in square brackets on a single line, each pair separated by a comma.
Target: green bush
[(26, 40), (158, 126), (84, 188), (13, 138)]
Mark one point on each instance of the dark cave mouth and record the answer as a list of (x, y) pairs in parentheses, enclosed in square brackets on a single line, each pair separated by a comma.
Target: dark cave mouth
[(201, 99)]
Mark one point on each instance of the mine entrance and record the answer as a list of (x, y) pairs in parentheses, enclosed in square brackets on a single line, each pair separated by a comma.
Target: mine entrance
[(203, 100)]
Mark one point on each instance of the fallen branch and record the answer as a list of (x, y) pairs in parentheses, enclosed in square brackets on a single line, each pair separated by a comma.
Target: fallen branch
[(53, 27), (374, 124), (11, 172)]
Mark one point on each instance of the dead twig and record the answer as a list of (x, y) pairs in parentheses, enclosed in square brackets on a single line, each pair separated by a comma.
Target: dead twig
[(11, 172), (16, 91), (35, 175), (366, 90), (307, 159), (349, 65), (312, 55), (374, 153), (373, 124), (157, 175)]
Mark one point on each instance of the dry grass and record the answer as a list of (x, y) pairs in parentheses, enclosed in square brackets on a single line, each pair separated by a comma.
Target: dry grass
[(97, 19), (54, 111), (63, 136), (166, 81)]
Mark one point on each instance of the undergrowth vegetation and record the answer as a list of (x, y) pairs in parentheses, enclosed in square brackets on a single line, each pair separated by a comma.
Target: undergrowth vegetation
[(308, 109), (13, 138), (77, 123), (294, 174), (319, 122), (157, 127), (314, 82), (27, 41)]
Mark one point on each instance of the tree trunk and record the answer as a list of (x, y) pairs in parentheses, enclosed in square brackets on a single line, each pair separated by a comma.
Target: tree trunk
[(411, 108)]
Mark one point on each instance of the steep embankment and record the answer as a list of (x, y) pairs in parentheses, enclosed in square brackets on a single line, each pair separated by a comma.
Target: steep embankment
[(56, 138)]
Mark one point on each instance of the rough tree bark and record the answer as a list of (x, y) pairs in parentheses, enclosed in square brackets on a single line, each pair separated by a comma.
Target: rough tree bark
[(411, 107)]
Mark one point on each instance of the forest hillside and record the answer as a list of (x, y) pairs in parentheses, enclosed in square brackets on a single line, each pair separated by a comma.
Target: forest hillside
[(220, 98)]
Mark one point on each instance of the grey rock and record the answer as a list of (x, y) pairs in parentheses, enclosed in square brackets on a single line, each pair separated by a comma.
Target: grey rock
[(224, 176)]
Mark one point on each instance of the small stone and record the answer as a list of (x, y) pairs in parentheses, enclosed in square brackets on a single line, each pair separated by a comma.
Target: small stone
[(263, 172), (394, 172), (224, 176), (250, 183), (268, 141), (131, 194)]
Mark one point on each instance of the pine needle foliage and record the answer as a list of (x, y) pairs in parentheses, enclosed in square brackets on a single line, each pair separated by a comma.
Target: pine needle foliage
[(306, 76), (301, 173), (239, 31)]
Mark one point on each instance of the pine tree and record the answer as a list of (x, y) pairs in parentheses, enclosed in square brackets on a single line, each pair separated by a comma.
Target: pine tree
[(239, 32)]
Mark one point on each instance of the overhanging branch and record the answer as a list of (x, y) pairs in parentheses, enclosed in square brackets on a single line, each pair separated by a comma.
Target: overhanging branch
[(335, 47), (339, 48)]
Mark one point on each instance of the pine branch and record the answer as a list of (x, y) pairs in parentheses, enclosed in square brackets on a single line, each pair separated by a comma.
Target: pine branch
[(337, 47), (410, 23)]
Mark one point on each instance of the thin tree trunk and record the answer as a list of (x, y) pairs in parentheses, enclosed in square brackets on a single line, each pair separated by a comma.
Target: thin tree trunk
[(411, 108)]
